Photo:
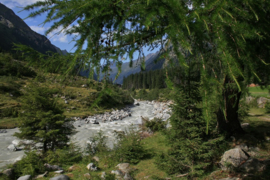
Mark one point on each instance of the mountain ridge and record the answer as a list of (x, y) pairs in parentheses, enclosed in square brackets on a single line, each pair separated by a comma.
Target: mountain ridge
[(14, 30)]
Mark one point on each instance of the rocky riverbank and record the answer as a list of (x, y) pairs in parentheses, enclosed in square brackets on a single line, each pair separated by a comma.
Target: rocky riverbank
[(108, 123)]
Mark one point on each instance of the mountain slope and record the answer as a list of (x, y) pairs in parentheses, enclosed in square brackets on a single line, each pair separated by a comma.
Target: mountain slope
[(14, 30), (150, 64)]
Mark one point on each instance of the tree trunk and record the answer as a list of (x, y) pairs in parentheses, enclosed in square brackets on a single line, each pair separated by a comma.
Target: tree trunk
[(227, 116), (45, 148)]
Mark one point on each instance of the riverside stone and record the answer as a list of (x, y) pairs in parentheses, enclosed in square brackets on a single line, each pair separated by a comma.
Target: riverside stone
[(12, 147)]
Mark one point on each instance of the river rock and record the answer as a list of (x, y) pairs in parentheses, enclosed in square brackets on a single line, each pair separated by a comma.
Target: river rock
[(91, 167), (232, 159), (26, 177), (12, 147), (60, 177), (17, 142), (3, 131)]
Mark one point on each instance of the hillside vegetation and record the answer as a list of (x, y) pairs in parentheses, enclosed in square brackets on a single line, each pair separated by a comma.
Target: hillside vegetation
[(75, 94)]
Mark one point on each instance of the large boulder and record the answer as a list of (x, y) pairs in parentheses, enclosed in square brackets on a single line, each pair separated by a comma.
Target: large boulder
[(26, 177), (60, 177), (233, 158)]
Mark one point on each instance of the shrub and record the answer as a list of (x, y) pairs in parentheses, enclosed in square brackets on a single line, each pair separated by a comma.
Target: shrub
[(31, 164), (9, 66), (97, 144), (66, 156), (129, 148), (156, 124), (267, 107)]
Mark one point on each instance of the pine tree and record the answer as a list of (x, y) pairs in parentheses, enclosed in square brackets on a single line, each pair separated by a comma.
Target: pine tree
[(229, 39), (42, 119)]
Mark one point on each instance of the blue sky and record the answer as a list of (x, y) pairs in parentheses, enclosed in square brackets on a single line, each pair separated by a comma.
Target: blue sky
[(61, 40)]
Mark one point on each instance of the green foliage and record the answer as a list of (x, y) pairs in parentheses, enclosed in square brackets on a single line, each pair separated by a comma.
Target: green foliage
[(32, 164), (244, 108), (97, 144), (267, 107), (9, 112), (42, 119), (192, 150), (144, 80), (67, 156), (129, 148), (155, 124), (10, 66)]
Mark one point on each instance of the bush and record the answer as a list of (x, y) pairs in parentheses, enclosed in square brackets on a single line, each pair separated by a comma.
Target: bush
[(9, 112), (129, 148), (267, 107), (155, 125), (67, 156), (31, 164), (97, 144), (9, 66)]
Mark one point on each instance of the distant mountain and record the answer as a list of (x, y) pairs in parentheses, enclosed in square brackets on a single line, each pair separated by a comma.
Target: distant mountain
[(150, 64), (14, 30)]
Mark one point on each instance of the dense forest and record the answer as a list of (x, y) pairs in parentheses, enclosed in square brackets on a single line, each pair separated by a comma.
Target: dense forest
[(145, 80)]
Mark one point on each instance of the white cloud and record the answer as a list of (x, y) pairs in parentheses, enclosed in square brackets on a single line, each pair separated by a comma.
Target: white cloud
[(21, 3), (39, 29), (12, 4), (58, 35)]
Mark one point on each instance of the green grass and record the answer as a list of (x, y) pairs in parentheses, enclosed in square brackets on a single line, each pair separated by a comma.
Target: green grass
[(259, 92)]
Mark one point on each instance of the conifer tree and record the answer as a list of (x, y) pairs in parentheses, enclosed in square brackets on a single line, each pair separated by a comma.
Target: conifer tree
[(42, 119), (230, 39)]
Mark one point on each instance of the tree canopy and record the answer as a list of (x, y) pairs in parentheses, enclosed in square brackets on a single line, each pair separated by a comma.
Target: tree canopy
[(229, 39)]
